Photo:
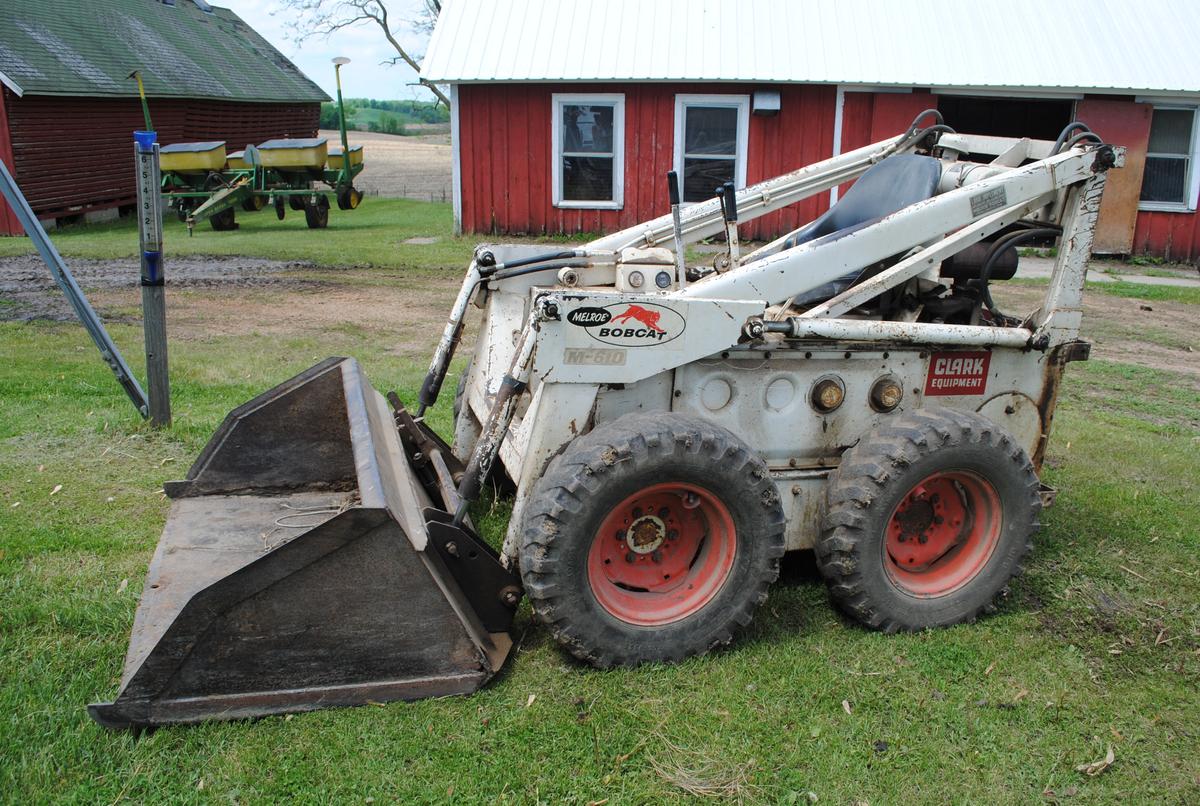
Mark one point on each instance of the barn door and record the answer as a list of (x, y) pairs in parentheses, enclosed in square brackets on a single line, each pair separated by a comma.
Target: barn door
[(1123, 123)]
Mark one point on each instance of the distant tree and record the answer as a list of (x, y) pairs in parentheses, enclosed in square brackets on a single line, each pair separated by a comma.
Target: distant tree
[(310, 18), (329, 115)]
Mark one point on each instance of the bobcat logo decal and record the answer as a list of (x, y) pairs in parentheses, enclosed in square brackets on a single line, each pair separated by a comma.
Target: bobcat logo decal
[(640, 324)]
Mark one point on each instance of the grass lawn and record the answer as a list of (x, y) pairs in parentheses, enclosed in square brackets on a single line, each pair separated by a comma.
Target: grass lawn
[(1098, 647), (372, 235)]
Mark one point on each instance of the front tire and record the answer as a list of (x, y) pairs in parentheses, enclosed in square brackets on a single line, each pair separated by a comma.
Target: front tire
[(927, 520), (652, 538)]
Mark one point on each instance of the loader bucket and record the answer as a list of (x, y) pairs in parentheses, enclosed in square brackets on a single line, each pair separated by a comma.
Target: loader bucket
[(303, 565)]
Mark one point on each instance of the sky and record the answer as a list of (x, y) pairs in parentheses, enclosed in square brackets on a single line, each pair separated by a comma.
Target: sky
[(366, 76)]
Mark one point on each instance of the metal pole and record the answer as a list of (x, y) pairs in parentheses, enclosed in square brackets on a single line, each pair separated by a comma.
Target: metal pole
[(344, 178), (74, 294), (154, 310)]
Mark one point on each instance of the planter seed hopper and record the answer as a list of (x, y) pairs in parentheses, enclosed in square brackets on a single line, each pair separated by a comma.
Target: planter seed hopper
[(202, 181)]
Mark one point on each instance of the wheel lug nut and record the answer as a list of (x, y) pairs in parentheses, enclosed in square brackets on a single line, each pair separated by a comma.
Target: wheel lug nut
[(656, 556), (937, 519), (664, 513), (637, 512), (922, 539), (620, 535), (672, 534), (630, 557)]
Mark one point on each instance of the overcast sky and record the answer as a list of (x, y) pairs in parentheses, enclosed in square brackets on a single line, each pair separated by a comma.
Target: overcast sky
[(365, 76)]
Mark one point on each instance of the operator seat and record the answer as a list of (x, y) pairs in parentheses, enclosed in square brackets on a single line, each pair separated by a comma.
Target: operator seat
[(891, 185)]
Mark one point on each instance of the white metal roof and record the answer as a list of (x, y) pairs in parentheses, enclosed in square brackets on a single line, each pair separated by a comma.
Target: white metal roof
[(1122, 46)]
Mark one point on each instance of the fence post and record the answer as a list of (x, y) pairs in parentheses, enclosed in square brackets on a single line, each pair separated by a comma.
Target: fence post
[(154, 310)]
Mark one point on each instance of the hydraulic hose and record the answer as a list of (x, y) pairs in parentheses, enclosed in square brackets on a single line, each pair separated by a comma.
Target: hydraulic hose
[(1066, 133), (508, 271), (495, 268), (1069, 144), (1008, 241)]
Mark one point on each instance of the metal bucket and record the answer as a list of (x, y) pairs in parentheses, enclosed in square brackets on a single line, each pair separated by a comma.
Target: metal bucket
[(303, 565)]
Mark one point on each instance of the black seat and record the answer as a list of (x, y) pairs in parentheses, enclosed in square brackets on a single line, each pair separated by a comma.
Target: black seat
[(889, 186)]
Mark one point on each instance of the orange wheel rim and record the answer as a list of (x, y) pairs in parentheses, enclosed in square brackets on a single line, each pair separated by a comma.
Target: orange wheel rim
[(662, 554)]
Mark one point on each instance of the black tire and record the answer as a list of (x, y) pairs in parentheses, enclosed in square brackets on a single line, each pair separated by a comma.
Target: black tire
[(254, 203), (280, 207), (348, 198), (615, 463), (316, 213), (224, 221), (862, 550), (296, 202)]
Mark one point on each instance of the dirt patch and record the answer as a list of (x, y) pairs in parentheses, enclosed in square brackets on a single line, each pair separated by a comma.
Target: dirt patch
[(408, 316), (246, 297), (28, 291), (1155, 334)]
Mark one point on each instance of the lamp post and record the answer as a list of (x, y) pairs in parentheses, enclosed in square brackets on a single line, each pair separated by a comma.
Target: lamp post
[(338, 61)]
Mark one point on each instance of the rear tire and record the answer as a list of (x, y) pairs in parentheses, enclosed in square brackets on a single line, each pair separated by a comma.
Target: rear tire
[(652, 538), (927, 520), (316, 213), (280, 207)]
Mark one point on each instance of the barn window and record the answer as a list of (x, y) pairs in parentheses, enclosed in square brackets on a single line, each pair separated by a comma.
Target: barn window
[(710, 142), (589, 151), (1167, 183)]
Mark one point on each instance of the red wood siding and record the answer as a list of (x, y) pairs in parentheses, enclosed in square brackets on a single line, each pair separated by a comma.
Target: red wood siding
[(8, 218), (1174, 236), (76, 154), (505, 154), (868, 117)]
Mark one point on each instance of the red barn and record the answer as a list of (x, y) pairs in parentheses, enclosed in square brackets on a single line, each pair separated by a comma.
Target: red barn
[(68, 110), (567, 116)]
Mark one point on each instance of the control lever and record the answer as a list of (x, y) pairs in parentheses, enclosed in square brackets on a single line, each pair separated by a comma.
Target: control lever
[(677, 226), (728, 196)]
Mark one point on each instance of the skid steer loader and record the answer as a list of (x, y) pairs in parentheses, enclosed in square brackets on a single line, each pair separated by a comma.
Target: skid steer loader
[(670, 430)]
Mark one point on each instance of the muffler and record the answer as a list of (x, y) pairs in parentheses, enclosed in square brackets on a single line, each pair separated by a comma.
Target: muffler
[(305, 563)]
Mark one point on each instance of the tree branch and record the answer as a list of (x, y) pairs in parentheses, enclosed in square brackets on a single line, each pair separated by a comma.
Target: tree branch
[(325, 17)]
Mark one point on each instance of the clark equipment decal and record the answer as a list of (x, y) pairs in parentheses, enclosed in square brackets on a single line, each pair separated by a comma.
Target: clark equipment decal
[(957, 373), (630, 324)]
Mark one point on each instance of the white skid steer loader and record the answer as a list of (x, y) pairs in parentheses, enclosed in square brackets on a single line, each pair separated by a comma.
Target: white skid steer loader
[(671, 431)]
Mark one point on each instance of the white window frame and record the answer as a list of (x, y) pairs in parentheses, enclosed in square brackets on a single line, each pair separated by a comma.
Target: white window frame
[(1192, 180), (742, 104), (617, 101)]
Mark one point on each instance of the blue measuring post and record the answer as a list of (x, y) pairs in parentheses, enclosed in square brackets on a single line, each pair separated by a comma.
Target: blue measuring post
[(149, 189), (154, 309)]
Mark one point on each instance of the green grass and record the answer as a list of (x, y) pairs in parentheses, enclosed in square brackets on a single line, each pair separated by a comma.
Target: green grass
[(372, 235), (1189, 295), (1098, 646), (1166, 293)]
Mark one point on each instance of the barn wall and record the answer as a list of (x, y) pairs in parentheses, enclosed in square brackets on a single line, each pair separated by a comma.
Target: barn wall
[(76, 154), (8, 219), (505, 152), (1174, 236)]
